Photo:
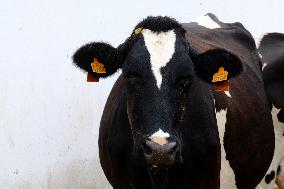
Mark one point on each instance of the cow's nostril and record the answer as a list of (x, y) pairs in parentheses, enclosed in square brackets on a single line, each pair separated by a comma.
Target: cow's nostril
[(160, 155), (147, 149), (172, 148)]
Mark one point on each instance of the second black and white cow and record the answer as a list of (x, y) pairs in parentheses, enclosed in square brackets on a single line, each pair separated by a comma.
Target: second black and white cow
[(164, 126), (271, 49)]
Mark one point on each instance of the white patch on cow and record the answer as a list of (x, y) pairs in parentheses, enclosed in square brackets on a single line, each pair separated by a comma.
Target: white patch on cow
[(258, 40), (228, 94), (161, 47), (227, 175), (264, 65), (278, 151), (259, 54), (160, 133), (207, 22), (160, 137), (214, 105)]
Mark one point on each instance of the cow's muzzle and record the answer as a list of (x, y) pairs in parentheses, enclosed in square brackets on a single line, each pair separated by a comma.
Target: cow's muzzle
[(157, 155)]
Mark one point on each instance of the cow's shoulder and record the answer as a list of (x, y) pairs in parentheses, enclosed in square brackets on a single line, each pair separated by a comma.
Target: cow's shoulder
[(208, 32)]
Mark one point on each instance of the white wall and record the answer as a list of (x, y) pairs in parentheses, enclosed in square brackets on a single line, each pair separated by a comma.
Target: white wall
[(49, 115)]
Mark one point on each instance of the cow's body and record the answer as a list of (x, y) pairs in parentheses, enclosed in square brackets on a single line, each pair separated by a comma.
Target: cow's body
[(204, 139), (115, 145), (271, 49), (247, 134)]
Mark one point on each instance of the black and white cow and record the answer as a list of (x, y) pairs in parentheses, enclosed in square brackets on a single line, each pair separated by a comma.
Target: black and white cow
[(271, 49), (163, 126)]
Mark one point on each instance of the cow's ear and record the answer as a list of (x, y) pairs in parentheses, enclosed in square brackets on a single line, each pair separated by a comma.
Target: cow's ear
[(98, 59), (217, 65)]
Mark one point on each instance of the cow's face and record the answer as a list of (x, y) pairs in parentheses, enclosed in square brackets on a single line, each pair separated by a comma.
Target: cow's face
[(160, 72)]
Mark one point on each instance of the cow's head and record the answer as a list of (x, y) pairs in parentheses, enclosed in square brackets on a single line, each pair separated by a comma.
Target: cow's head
[(162, 73)]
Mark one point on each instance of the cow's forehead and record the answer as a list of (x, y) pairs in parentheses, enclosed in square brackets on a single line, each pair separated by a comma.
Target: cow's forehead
[(161, 48)]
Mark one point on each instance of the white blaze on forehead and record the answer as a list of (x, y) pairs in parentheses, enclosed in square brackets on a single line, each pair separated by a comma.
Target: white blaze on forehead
[(227, 175), (160, 133), (207, 22), (161, 47), (160, 137)]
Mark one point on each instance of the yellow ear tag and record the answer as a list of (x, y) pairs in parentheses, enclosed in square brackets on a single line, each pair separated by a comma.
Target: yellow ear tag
[(137, 31), (98, 67), (221, 75)]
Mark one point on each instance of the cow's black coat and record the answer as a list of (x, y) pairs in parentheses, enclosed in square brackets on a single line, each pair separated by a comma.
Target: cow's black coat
[(183, 107), (271, 49), (249, 133)]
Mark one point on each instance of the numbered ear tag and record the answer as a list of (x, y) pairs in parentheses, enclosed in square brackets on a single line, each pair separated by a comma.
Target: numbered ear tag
[(98, 67), (221, 75)]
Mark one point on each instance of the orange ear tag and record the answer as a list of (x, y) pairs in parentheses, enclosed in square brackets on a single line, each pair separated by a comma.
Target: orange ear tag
[(98, 67), (221, 75)]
